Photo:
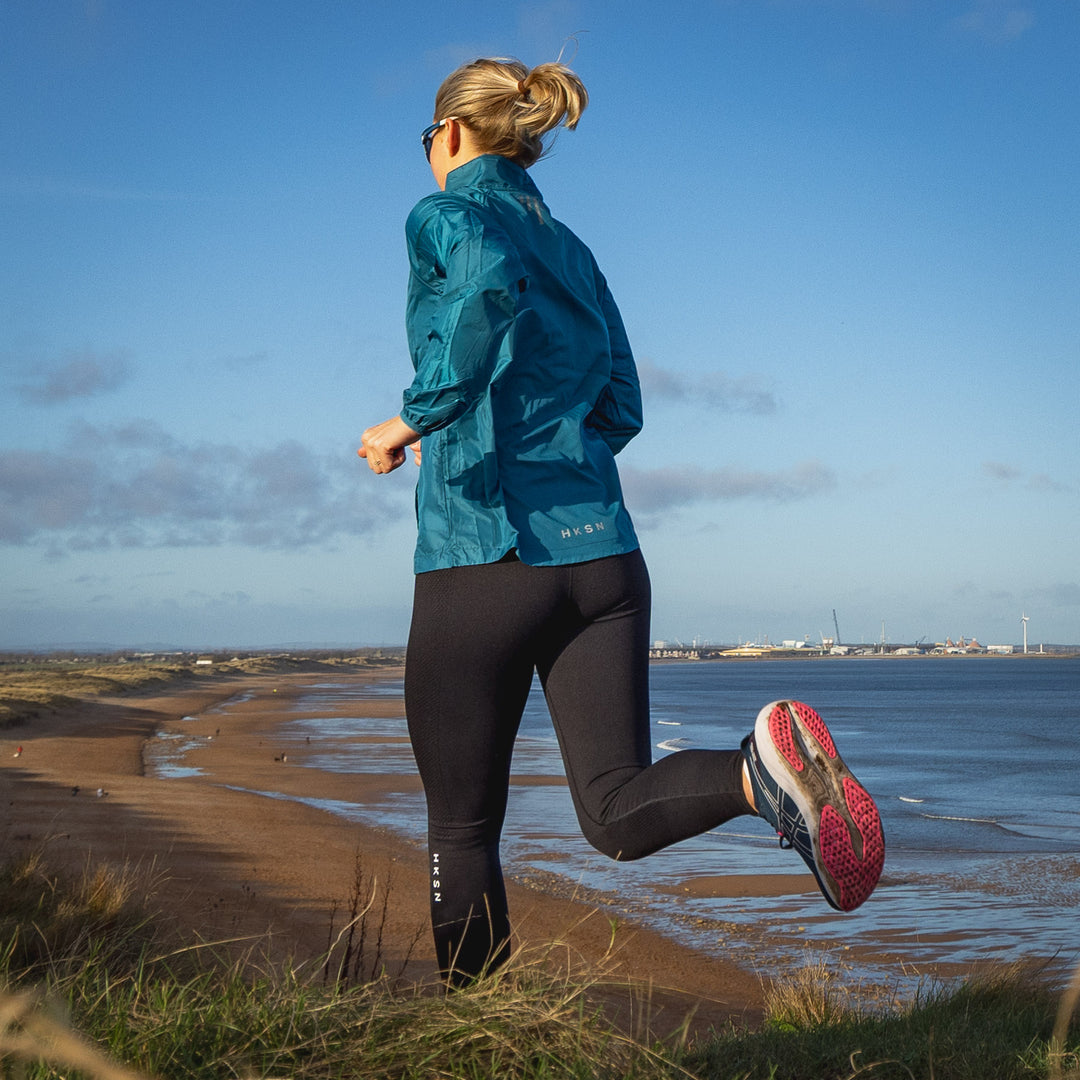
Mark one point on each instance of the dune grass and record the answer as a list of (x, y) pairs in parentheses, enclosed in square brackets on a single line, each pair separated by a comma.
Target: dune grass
[(87, 955), (84, 955), (32, 688), (998, 1025)]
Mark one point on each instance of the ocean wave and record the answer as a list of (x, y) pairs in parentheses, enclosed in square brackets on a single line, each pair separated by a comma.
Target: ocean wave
[(673, 744), (972, 820), (1061, 834)]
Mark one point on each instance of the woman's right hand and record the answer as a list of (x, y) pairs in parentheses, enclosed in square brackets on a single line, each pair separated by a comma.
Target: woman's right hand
[(384, 444)]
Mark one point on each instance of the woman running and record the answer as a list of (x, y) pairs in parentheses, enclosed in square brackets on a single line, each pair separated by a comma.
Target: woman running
[(526, 561)]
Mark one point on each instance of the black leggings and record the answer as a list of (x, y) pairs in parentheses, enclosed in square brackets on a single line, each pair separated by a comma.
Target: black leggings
[(477, 634)]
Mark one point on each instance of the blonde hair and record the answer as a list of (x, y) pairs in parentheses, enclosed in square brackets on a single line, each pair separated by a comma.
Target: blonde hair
[(508, 108)]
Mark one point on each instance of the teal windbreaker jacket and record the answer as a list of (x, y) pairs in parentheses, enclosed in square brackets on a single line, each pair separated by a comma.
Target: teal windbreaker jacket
[(525, 385)]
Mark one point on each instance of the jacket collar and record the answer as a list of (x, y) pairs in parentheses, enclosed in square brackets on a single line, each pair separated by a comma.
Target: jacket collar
[(491, 170)]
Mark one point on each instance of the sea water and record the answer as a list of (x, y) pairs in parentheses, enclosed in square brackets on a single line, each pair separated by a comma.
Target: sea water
[(974, 763)]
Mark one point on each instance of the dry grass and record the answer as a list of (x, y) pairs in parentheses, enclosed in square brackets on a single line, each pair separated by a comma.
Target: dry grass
[(85, 955), (1063, 1064), (32, 1032), (197, 1011), (30, 689)]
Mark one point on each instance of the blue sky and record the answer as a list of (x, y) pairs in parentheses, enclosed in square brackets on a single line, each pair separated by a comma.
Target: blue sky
[(844, 235)]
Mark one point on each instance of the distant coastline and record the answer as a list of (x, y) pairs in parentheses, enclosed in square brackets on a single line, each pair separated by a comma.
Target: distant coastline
[(299, 659), (37, 683), (856, 652)]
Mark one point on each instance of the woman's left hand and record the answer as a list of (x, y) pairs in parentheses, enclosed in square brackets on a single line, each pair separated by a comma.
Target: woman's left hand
[(384, 444)]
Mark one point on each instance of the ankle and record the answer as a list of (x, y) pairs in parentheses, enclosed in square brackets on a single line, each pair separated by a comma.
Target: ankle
[(747, 787)]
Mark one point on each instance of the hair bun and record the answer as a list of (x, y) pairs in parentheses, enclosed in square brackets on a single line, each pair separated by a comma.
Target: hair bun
[(509, 107)]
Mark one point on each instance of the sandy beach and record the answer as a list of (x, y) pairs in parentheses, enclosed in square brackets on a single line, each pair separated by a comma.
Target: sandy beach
[(234, 864), (247, 845)]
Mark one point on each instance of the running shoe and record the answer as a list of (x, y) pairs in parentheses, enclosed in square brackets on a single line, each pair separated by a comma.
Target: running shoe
[(806, 792)]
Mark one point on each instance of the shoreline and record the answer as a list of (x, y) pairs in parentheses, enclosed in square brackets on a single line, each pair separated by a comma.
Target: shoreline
[(247, 845), (234, 865)]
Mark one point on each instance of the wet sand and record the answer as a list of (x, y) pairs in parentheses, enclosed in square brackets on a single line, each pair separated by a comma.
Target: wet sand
[(233, 864)]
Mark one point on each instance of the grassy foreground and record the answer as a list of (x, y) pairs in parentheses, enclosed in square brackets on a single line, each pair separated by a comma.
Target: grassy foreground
[(87, 955)]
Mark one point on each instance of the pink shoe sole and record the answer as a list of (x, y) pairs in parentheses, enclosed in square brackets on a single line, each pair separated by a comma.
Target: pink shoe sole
[(805, 791)]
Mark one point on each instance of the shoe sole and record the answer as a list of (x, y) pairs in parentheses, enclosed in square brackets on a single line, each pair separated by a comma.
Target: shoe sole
[(845, 834)]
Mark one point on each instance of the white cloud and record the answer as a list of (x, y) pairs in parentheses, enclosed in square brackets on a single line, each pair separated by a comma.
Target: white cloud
[(713, 390), (998, 470), (653, 490), (994, 21), (138, 486), (1063, 594), (1006, 474), (75, 375)]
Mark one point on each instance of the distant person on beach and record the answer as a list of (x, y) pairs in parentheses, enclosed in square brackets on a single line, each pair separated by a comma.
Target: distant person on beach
[(525, 389)]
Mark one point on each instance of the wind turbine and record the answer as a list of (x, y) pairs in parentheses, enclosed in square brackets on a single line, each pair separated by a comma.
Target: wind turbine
[(1024, 620)]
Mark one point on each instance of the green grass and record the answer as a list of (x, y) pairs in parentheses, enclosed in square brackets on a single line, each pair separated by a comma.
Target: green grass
[(87, 955), (996, 1026)]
